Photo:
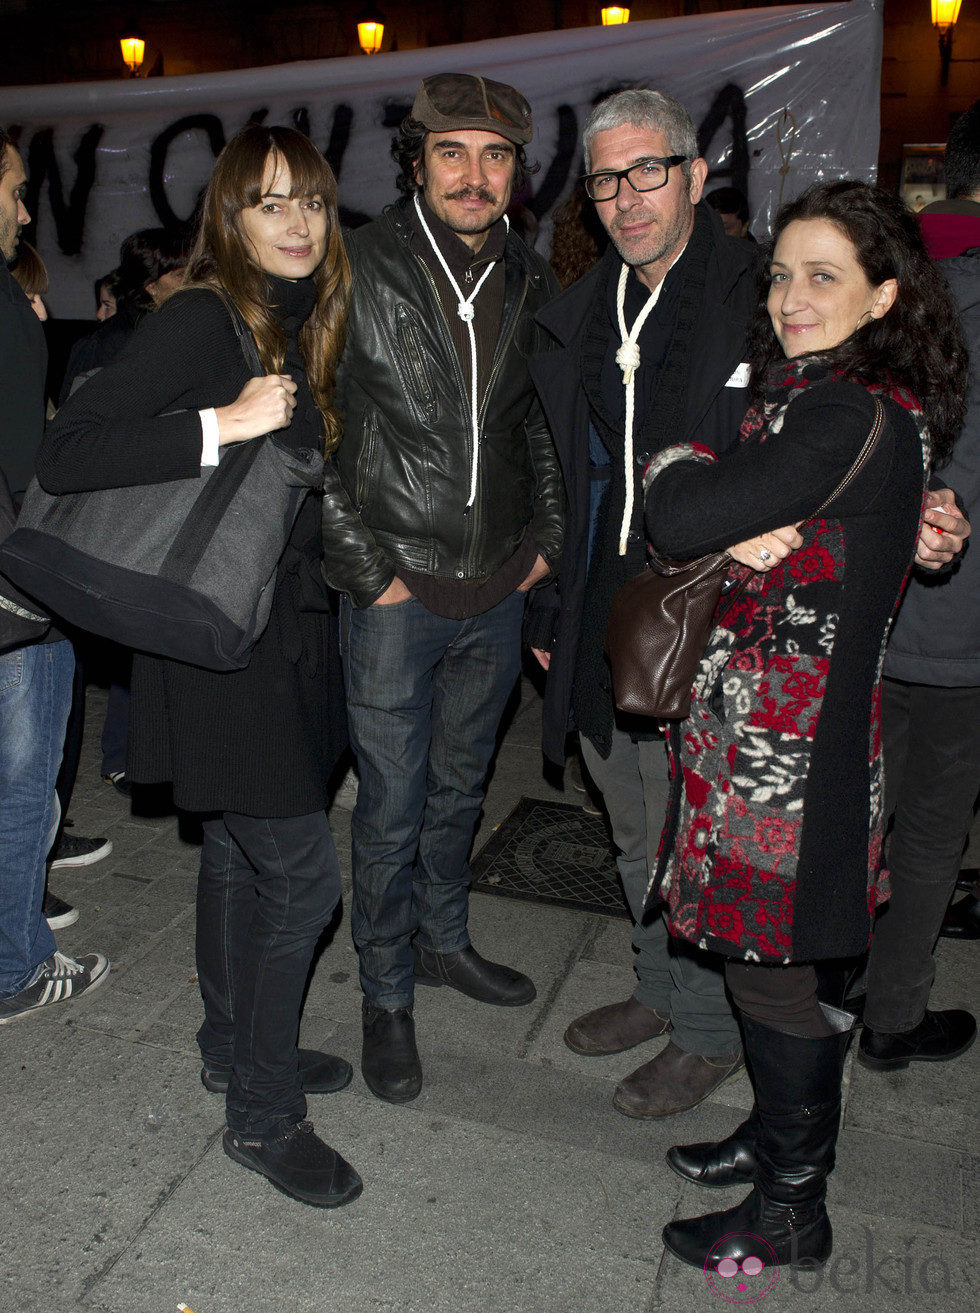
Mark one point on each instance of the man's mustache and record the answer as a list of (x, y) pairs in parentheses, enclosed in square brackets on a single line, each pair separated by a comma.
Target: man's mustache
[(479, 193)]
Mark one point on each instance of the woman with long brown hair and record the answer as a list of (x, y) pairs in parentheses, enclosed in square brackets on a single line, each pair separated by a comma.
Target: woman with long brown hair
[(252, 750)]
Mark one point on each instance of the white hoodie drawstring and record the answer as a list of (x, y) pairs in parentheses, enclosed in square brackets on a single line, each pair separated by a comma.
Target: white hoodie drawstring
[(465, 309)]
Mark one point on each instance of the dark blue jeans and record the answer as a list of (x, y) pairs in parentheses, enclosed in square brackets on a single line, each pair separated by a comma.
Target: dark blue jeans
[(35, 698), (267, 889), (425, 696)]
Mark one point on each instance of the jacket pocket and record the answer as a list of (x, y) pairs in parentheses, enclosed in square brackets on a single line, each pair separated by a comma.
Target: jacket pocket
[(415, 360)]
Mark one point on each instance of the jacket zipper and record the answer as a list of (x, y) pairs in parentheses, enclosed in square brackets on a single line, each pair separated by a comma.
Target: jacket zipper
[(406, 332), (365, 465)]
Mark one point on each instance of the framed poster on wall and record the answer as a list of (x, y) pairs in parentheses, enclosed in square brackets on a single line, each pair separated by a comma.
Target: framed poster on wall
[(923, 177)]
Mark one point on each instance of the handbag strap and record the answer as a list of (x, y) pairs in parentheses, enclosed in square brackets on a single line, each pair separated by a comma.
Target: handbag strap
[(197, 530), (245, 339), (870, 442)]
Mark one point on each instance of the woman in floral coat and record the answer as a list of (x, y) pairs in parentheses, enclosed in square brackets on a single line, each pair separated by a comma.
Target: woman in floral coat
[(771, 854)]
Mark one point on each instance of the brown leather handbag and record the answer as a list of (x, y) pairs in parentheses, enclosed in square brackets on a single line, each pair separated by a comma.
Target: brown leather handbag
[(659, 626), (661, 620)]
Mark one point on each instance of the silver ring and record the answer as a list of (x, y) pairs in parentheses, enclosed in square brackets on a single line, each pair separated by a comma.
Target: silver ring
[(764, 554)]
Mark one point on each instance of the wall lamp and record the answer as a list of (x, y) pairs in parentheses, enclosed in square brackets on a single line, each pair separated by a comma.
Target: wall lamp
[(371, 30), (133, 43), (944, 16)]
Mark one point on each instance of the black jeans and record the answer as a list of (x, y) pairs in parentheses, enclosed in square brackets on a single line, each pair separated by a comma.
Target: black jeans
[(267, 889), (931, 745)]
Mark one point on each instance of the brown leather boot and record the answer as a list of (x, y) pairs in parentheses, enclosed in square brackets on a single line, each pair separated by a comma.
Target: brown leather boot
[(674, 1080), (615, 1028)]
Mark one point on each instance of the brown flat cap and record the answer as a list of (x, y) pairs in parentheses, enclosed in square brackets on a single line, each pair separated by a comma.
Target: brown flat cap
[(453, 102)]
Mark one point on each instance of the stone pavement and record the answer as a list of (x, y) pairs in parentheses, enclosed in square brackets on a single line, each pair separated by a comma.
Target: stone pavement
[(510, 1185)]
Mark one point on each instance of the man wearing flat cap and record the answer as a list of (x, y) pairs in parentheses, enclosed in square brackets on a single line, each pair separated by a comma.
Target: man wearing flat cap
[(445, 498)]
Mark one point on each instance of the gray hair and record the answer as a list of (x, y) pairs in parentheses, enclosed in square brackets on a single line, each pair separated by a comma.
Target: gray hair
[(644, 109)]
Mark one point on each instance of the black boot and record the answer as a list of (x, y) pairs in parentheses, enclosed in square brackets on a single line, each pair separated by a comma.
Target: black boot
[(783, 1220), (731, 1161), (962, 920), (389, 1059)]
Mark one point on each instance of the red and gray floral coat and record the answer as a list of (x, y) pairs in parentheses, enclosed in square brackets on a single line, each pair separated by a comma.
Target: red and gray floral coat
[(772, 846)]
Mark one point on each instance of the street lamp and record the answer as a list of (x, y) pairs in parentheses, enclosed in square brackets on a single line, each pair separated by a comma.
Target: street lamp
[(944, 16), (614, 14), (371, 30), (133, 44)]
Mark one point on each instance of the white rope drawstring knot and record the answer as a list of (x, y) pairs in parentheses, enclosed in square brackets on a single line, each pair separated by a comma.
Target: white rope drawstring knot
[(628, 359), (466, 311)]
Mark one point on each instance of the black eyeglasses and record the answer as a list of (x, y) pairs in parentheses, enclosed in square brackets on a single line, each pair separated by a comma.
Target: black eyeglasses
[(648, 175)]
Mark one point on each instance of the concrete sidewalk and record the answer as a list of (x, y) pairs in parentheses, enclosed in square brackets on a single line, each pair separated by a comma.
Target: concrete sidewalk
[(510, 1185)]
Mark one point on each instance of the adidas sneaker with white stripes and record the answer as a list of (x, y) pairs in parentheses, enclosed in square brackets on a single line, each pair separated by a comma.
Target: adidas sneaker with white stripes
[(57, 979)]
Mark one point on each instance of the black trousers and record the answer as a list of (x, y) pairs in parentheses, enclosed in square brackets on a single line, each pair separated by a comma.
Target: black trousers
[(931, 745), (783, 998), (267, 889)]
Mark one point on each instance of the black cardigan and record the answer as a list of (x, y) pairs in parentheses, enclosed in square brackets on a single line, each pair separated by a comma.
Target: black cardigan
[(264, 740)]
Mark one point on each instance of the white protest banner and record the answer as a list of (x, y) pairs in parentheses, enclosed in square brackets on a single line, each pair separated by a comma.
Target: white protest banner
[(781, 97)]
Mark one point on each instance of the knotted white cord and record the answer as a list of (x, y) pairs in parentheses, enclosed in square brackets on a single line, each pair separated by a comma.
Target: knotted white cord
[(465, 309), (628, 359)]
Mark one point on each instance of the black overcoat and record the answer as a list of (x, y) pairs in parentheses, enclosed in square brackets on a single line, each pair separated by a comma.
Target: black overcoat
[(712, 415)]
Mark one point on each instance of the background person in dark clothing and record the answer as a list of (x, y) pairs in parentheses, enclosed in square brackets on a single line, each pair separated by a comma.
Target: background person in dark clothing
[(732, 205), (151, 266), (930, 701), (35, 680), (253, 749), (25, 356)]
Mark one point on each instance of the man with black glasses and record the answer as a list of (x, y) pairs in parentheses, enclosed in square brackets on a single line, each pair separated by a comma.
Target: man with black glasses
[(650, 350)]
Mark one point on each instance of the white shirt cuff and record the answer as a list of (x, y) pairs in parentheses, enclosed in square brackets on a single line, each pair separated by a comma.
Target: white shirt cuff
[(209, 433)]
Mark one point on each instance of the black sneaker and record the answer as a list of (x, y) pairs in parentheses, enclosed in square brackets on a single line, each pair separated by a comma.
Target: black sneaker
[(74, 850), (57, 912), (60, 977), (298, 1163), (938, 1037)]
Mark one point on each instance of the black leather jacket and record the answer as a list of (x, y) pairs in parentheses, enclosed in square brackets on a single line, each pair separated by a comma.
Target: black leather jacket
[(397, 487)]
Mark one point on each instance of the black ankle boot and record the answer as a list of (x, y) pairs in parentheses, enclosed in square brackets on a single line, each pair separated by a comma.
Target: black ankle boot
[(389, 1059), (797, 1089), (731, 1161), (298, 1163)]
